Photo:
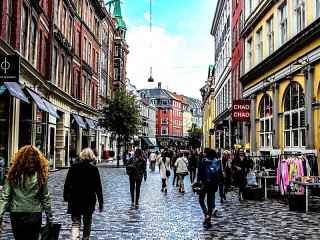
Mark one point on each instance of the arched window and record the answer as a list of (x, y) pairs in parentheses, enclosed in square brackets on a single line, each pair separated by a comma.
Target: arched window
[(266, 126), (294, 117)]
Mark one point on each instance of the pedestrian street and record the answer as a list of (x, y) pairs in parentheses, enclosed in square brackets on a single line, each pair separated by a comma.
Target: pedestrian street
[(177, 215)]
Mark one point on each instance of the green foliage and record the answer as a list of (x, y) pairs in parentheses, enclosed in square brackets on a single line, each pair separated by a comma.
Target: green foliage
[(194, 137), (121, 115)]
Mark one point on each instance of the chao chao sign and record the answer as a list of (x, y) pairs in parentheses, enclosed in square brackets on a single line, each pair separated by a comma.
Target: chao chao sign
[(9, 68), (241, 110)]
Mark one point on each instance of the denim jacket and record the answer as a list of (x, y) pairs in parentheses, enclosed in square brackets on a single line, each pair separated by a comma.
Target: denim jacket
[(30, 198)]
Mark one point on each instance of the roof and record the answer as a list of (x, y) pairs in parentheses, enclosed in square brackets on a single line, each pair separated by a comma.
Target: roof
[(118, 15), (194, 103), (156, 93), (180, 98)]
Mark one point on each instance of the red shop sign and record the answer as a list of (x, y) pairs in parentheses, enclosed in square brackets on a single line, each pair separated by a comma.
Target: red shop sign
[(241, 110)]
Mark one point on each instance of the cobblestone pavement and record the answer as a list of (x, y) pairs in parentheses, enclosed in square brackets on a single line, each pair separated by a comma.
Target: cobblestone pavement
[(177, 215)]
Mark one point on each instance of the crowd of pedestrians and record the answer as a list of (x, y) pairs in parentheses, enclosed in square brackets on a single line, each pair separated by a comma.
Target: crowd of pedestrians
[(25, 194)]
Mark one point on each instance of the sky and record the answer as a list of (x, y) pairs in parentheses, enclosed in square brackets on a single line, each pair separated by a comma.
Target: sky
[(179, 47)]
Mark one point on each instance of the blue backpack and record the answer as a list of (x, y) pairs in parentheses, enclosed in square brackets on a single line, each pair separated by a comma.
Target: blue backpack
[(212, 168)]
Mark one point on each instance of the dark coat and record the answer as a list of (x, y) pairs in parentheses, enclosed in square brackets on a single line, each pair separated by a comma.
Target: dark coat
[(141, 167), (240, 176), (82, 187)]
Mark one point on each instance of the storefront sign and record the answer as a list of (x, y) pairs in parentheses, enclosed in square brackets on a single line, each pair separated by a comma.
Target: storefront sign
[(9, 68), (241, 110)]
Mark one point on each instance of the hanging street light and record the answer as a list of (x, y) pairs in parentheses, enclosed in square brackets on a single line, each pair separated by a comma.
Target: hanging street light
[(150, 79)]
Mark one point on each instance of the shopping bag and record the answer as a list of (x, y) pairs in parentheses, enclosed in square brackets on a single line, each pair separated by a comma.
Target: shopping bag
[(50, 233)]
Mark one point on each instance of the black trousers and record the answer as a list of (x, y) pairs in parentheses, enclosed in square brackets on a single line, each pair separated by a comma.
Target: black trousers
[(224, 186), (135, 183), (26, 225)]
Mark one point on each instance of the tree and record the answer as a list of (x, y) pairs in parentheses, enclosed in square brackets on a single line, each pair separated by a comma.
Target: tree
[(194, 137), (121, 116)]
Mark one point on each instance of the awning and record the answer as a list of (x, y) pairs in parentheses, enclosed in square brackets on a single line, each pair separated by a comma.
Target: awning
[(147, 141), (80, 121), (16, 91), (91, 123), (37, 99), (52, 109)]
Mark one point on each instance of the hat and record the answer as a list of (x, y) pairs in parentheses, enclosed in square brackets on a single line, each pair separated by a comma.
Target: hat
[(196, 187)]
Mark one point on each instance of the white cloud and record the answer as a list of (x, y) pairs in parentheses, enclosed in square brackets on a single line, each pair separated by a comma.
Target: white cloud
[(179, 62)]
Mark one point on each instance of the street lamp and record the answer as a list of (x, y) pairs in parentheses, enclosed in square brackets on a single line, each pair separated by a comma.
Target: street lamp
[(150, 79)]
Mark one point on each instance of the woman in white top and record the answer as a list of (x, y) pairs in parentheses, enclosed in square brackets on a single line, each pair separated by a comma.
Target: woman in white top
[(182, 170), (164, 165)]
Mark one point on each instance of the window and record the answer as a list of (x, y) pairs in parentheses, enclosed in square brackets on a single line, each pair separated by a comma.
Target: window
[(86, 12), (77, 85), (164, 111), (88, 92), (70, 31), (33, 40), (266, 126), (90, 18), (9, 20), (24, 29), (54, 66), (259, 45), (294, 117), (78, 43), (89, 55), (250, 54), (164, 130), (283, 24), (164, 121), (300, 15), (165, 102), (85, 49), (63, 21), (68, 78), (60, 84), (270, 36), (56, 11), (83, 92), (97, 61), (116, 73), (103, 87)]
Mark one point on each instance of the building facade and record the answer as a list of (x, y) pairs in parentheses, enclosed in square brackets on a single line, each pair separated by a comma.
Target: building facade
[(281, 76), (221, 31)]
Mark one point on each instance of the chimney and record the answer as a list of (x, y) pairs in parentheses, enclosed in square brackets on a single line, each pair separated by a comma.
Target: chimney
[(159, 84)]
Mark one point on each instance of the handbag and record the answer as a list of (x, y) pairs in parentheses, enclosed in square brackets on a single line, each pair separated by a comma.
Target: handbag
[(50, 233), (168, 173)]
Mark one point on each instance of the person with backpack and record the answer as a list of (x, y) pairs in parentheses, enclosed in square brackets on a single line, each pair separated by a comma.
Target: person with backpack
[(137, 170), (209, 174)]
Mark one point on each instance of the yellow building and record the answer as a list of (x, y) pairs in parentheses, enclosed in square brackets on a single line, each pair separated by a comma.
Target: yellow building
[(281, 76), (207, 93)]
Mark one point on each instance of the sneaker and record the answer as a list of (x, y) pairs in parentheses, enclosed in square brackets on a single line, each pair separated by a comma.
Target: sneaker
[(215, 210), (137, 204), (165, 190)]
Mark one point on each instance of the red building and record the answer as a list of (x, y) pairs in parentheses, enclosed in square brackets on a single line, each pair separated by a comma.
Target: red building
[(236, 62)]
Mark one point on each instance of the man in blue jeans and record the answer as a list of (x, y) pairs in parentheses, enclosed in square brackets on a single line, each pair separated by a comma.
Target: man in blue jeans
[(210, 183)]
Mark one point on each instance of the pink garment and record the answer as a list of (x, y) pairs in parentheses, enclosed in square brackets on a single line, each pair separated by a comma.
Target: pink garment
[(300, 173), (283, 176)]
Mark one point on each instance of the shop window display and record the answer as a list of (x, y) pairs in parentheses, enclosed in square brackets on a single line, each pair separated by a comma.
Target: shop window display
[(4, 117)]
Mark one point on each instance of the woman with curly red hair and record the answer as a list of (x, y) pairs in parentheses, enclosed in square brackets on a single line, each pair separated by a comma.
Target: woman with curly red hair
[(25, 193)]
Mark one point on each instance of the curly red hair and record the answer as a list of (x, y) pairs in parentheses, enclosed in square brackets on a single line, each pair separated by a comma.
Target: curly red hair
[(28, 161)]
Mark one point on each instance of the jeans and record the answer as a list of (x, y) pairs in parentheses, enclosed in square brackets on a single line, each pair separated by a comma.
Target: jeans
[(209, 189), (175, 176), (135, 183), (193, 172), (76, 223)]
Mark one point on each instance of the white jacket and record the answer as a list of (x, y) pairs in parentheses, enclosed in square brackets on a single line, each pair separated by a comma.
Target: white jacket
[(163, 167), (181, 165)]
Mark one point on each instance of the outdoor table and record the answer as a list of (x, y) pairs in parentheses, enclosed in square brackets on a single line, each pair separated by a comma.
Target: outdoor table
[(307, 188), (265, 183)]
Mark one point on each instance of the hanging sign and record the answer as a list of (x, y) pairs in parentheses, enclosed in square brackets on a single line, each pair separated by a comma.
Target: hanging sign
[(241, 110), (9, 68)]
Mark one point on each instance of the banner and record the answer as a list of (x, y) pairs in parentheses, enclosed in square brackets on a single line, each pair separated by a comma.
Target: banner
[(9, 68), (241, 110)]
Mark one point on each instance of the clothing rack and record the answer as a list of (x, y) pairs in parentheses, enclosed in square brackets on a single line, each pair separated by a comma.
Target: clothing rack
[(310, 157), (266, 161)]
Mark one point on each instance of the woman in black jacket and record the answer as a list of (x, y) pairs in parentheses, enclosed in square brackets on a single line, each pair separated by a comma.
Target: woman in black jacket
[(81, 188), (140, 171), (240, 165)]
